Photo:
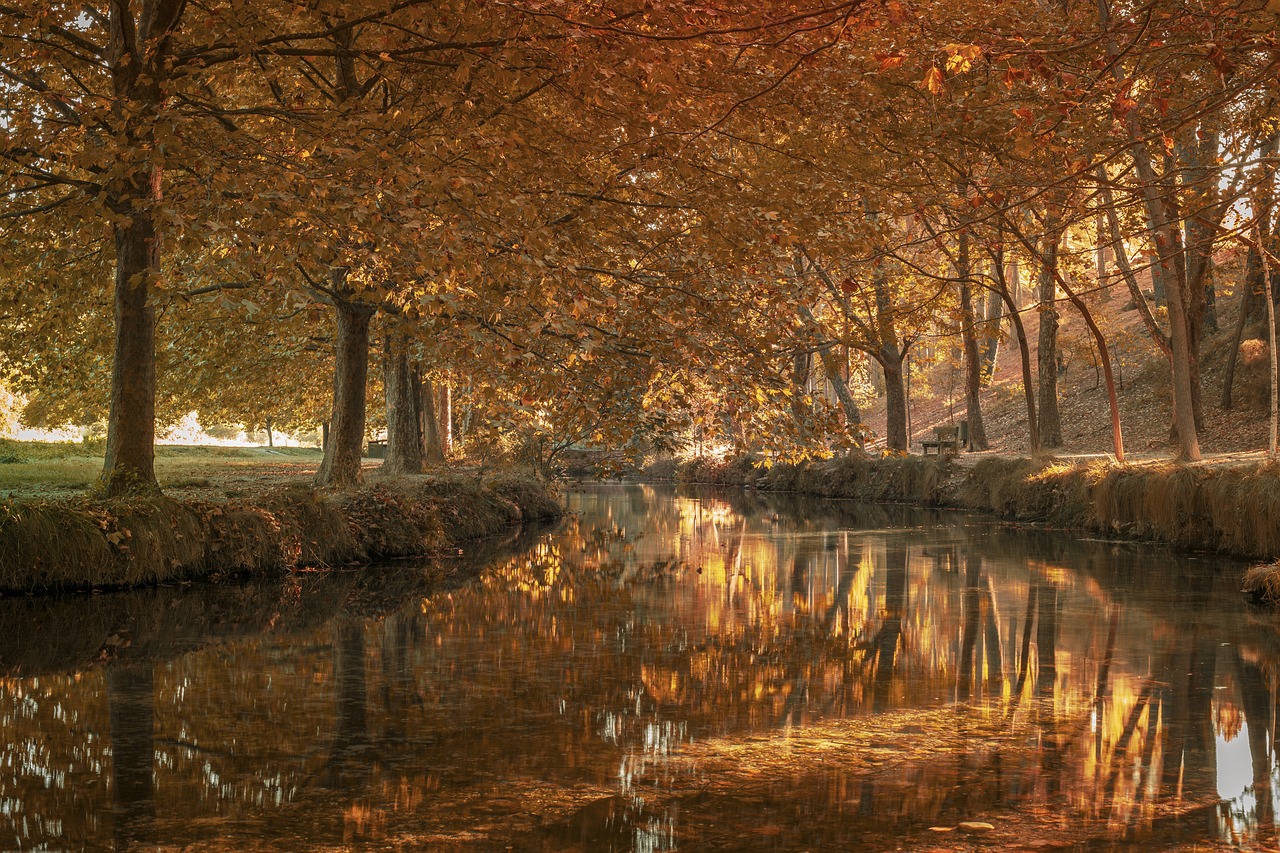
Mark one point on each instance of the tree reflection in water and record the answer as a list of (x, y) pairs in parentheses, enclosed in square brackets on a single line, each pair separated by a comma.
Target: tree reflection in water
[(131, 698), (737, 671)]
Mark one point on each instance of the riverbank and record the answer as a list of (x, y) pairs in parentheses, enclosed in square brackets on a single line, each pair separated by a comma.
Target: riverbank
[(1229, 509), (82, 543)]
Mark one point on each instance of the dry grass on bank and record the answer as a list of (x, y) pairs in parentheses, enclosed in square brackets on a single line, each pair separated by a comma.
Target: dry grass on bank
[(1230, 508), (81, 543)]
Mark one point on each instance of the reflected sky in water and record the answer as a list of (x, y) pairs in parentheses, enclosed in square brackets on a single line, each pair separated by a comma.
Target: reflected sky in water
[(731, 671)]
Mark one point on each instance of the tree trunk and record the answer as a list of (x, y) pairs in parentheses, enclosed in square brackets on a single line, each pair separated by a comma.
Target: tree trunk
[(896, 437), (1247, 302), (444, 415), (136, 84), (800, 409), (403, 391), (1169, 269), (271, 439), (130, 459), (1104, 356), (1050, 421), (991, 337), (340, 467), (1271, 342), (848, 406), (1006, 292), (432, 449), (972, 361)]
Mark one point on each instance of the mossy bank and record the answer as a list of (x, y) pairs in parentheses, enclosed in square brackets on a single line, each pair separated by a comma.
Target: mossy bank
[(80, 544), (1230, 509)]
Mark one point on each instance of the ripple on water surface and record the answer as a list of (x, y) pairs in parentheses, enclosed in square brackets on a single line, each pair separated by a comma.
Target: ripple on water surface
[(662, 671)]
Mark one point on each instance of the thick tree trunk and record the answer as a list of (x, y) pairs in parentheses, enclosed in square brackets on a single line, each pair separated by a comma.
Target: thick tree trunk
[(972, 361), (432, 447), (340, 467), (896, 437), (403, 392), (136, 81), (1050, 421), (271, 438), (130, 459)]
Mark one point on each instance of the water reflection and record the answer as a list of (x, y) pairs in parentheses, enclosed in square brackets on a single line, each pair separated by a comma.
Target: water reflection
[(737, 671)]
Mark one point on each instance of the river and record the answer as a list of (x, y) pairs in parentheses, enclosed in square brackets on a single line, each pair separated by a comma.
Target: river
[(662, 671)]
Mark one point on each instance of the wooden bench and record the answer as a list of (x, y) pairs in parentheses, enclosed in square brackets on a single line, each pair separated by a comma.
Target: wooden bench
[(944, 438)]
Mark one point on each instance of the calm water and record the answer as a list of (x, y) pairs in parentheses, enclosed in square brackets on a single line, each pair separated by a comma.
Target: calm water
[(660, 672)]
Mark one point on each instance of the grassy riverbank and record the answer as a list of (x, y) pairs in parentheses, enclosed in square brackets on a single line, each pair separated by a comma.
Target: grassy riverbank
[(83, 543), (65, 469), (1230, 509)]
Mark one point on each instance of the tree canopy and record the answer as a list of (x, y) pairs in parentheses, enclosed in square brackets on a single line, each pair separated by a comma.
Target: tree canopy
[(608, 223)]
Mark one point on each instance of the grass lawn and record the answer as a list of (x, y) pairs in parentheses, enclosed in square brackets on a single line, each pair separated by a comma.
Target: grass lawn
[(33, 469)]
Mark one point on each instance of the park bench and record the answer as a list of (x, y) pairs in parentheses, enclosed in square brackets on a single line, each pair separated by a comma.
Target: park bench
[(944, 438)]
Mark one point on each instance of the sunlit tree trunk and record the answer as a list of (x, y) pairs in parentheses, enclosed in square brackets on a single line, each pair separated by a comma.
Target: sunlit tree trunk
[(972, 361), (848, 406), (432, 447), (1169, 268), (1050, 421), (1249, 290), (896, 437), (800, 410), (991, 335)]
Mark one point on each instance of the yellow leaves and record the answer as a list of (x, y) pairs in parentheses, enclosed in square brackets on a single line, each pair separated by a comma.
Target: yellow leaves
[(960, 57), (933, 81)]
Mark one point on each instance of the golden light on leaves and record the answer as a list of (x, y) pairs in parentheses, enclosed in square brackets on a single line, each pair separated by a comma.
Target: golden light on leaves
[(933, 81), (960, 57)]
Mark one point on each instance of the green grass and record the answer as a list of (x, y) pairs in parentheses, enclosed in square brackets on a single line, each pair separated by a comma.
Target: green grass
[(59, 469)]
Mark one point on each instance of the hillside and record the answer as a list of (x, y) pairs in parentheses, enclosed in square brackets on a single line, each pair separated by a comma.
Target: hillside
[(1142, 384)]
